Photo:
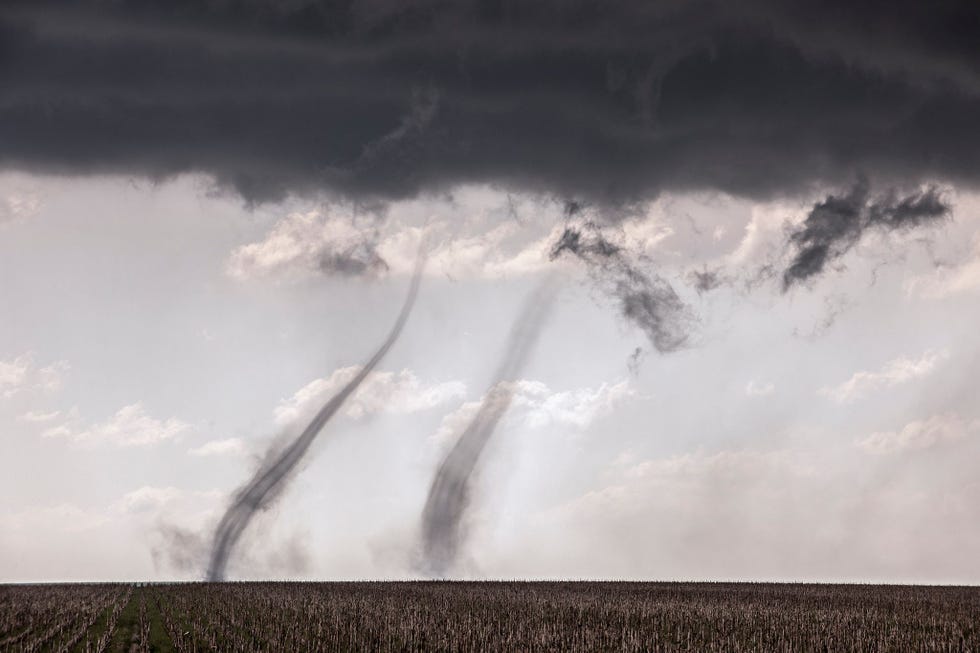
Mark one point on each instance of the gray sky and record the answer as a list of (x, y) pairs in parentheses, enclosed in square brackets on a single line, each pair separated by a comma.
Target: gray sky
[(764, 219), (152, 353)]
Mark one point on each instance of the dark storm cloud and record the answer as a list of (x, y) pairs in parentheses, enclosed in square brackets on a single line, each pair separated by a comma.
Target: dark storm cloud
[(612, 100), (834, 225), (646, 300)]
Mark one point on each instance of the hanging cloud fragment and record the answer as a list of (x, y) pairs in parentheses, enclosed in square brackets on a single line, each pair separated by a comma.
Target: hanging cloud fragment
[(443, 518), (645, 300), (274, 472), (836, 224)]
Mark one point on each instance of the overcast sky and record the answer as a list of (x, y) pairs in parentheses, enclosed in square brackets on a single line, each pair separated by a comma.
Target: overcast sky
[(763, 223)]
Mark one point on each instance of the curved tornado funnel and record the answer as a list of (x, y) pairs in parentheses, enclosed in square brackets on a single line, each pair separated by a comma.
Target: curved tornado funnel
[(448, 497), (271, 476)]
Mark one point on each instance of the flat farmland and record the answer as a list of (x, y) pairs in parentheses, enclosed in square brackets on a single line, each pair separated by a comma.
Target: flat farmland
[(488, 616)]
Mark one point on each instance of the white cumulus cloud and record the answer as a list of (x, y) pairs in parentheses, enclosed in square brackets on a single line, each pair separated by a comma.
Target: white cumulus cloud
[(381, 392), (936, 431), (130, 426), (895, 372), (22, 374), (305, 244), (37, 417), (19, 206), (227, 447), (13, 374), (465, 239), (577, 408), (538, 406), (759, 389)]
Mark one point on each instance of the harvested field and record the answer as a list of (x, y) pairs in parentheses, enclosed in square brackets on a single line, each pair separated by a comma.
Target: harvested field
[(488, 616)]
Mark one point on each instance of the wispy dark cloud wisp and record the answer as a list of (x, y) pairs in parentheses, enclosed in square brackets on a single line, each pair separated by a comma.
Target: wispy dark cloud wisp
[(645, 300)]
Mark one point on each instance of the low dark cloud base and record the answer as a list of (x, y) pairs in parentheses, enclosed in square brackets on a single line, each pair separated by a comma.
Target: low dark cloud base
[(613, 101)]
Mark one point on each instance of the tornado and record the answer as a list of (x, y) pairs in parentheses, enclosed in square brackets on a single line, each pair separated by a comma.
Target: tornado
[(273, 474), (448, 499)]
